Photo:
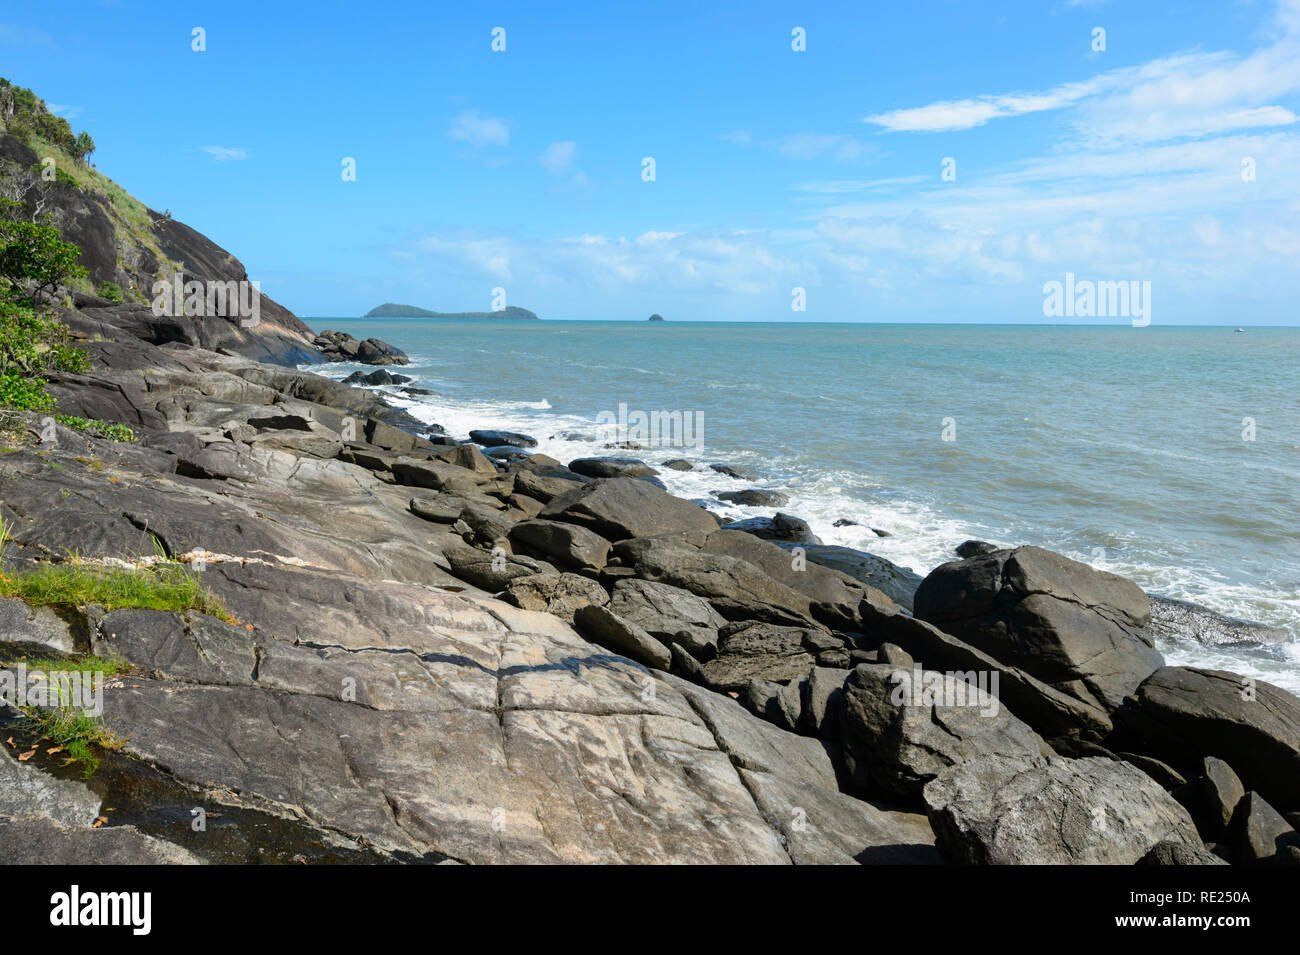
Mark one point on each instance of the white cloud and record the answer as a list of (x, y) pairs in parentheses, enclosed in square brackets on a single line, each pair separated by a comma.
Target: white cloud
[(479, 129), (821, 146), (559, 158), (740, 137), (1186, 95), (226, 153), (67, 112)]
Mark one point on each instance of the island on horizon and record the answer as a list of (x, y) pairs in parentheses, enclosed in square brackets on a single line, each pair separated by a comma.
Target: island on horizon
[(393, 310)]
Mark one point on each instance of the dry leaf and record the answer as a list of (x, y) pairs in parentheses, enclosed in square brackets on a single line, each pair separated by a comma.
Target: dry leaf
[(23, 757), (56, 749), (99, 822)]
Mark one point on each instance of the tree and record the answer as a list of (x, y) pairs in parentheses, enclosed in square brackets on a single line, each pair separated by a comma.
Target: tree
[(34, 252), (82, 147)]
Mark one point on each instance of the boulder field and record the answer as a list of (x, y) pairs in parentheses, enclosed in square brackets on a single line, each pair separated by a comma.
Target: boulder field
[(435, 653)]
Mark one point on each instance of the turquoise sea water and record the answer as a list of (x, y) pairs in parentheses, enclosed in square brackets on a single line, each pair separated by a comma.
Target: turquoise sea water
[(1119, 446)]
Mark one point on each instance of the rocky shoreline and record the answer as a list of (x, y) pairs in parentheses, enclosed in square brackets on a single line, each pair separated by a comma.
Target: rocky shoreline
[(465, 651)]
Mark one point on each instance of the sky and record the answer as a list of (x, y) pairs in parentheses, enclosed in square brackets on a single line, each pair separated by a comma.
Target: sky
[(913, 162)]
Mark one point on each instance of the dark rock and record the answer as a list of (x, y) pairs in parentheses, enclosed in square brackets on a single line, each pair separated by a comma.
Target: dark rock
[(735, 472), (678, 464), (777, 703), (1063, 720), (968, 549), (560, 595), (489, 570), (1173, 852), (895, 656), (898, 583), (620, 508), (569, 545), (780, 527), (440, 511), (612, 467), (506, 455), (1222, 792), (1181, 715), (1163, 773), (609, 630), (1258, 833), (1077, 629), (844, 522), (758, 651), (901, 728), (754, 497), (1033, 810), (670, 614), (1182, 620), (499, 439)]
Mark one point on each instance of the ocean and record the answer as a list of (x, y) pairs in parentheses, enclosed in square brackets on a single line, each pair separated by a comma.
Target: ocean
[(1168, 455)]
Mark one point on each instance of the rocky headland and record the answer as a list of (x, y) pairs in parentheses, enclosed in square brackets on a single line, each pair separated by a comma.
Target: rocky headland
[(412, 647)]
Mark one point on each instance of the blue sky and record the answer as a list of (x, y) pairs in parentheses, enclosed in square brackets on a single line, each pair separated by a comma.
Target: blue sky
[(775, 168)]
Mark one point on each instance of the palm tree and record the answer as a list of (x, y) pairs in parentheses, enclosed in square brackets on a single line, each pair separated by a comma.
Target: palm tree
[(83, 146)]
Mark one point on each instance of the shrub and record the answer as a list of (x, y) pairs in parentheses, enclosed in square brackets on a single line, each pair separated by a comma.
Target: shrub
[(111, 291), (24, 394)]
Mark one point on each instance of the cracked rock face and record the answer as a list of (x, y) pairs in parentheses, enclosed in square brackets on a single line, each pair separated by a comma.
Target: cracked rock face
[(1079, 630), (903, 727), (1050, 811)]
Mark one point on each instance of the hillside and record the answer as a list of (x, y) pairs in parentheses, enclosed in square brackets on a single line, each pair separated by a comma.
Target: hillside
[(126, 246), (393, 310)]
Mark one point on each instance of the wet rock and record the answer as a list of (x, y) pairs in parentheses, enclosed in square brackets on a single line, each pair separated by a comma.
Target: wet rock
[(734, 472), (500, 439), (782, 528), (973, 548), (612, 467), (754, 497)]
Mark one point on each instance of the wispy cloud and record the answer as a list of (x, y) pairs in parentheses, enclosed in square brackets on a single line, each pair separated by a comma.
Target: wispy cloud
[(822, 146), (1185, 95), (67, 112), (226, 153), (478, 129), (12, 35), (559, 158)]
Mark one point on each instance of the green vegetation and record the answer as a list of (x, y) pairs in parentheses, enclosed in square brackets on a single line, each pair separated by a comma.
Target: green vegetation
[(110, 290), (99, 429), (35, 253), (76, 731), (50, 136), (166, 585)]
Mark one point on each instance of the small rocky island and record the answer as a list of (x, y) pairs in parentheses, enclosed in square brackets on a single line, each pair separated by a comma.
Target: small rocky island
[(656, 317), (393, 310)]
